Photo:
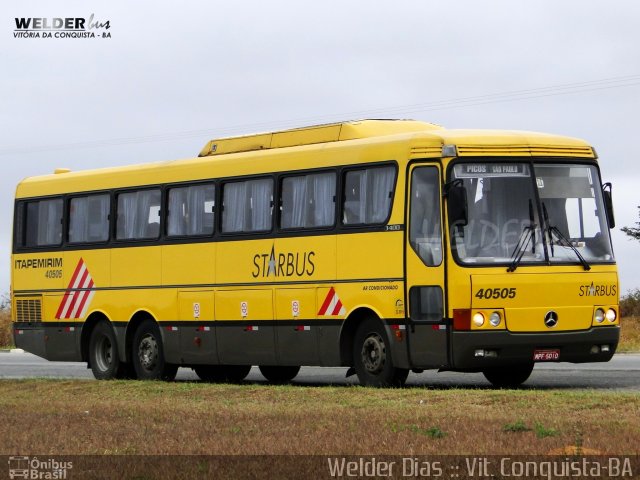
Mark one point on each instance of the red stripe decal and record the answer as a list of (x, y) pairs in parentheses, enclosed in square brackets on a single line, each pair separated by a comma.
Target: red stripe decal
[(85, 296), (327, 302), (77, 294), (75, 274), (63, 303), (338, 307), (69, 295)]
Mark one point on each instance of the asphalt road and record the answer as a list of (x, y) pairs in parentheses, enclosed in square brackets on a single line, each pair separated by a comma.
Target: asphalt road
[(621, 373)]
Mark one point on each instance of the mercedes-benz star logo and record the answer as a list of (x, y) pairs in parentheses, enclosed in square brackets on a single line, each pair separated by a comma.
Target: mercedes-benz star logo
[(551, 319)]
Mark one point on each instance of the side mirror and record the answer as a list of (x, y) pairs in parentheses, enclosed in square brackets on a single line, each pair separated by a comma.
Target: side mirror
[(456, 195), (608, 204)]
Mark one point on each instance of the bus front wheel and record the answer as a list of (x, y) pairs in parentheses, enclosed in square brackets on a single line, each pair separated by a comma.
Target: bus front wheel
[(148, 354), (372, 357), (508, 377), (279, 374)]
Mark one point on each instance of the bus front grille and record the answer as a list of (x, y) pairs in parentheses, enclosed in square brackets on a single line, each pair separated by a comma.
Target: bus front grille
[(29, 310)]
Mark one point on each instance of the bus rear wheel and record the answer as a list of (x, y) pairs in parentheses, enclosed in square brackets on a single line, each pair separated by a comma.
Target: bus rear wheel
[(103, 353), (372, 357), (508, 377), (279, 374), (148, 354)]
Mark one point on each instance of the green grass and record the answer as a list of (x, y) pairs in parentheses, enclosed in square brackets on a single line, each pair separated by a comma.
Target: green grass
[(432, 432), (518, 426), (543, 432)]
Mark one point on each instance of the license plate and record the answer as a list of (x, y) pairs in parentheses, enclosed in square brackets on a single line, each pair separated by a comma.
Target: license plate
[(546, 355)]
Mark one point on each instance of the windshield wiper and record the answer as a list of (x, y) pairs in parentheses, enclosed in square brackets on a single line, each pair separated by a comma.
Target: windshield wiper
[(528, 233), (550, 230), (547, 231)]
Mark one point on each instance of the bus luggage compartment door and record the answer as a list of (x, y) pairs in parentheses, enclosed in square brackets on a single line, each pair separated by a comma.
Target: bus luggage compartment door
[(198, 337), (297, 331), (244, 327)]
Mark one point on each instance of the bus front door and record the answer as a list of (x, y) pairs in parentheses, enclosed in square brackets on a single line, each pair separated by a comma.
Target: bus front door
[(425, 274)]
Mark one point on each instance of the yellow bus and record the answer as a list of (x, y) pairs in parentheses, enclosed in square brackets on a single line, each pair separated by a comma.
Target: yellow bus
[(384, 246)]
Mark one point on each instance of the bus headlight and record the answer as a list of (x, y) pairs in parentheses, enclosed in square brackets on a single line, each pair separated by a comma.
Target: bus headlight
[(495, 319), (611, 315), (599, 315), (478, 319)]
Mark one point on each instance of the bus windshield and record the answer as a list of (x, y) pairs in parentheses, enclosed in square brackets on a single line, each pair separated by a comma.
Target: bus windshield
[(571, 199), (505, 220)]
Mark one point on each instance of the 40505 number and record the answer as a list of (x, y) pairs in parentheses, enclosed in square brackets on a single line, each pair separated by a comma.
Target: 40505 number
[(53, 274), (495, 293)]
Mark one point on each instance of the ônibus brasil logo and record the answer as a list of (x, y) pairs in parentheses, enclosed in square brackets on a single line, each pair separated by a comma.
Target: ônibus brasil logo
[(33, 467), (61, 27)]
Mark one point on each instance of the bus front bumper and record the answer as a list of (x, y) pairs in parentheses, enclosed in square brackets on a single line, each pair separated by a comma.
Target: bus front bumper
[(474, 351)]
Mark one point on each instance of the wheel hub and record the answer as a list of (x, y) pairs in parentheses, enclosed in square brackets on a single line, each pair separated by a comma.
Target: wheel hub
[(148, 352), (373, 353), (104, 354)]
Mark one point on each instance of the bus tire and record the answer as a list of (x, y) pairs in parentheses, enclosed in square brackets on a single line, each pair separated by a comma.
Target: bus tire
[(372, 357), (103, 352), (508, 377), (236, 373), (279, 374), (148, 354), (210, 373)]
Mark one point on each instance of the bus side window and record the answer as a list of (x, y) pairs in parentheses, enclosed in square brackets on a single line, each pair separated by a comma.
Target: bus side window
[(261, 201), (351, 209), (308, 201), (138, 215), (89, 219), (191, 210), (367, 195), (247, 206), (425, 234), (44, 223)]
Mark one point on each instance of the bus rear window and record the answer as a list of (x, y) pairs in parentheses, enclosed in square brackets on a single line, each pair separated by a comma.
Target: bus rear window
[(43, 223)]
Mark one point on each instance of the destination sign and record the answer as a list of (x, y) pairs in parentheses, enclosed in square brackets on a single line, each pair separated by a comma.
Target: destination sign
[(475, 170)]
